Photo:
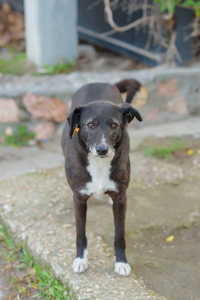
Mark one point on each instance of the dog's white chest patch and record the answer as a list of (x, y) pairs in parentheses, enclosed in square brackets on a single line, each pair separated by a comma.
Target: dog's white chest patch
[(99, 169)]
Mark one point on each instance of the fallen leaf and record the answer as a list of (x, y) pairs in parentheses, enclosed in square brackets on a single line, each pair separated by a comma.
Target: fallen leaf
[(34, 287), (170, 238), (190, 152)]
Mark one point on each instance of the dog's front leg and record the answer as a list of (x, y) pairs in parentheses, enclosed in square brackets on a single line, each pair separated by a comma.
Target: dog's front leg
[(80, 263), (119, 209)]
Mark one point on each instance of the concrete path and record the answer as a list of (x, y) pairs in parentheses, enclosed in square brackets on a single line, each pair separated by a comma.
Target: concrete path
[(190, 126), (15, 162), (163, 200)]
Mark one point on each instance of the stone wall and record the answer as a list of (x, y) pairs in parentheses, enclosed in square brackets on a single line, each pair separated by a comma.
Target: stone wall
[(169, 95), (39, 113)]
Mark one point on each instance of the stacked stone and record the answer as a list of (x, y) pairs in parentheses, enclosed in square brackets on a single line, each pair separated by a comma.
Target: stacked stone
[(170, 94), (41, 114)]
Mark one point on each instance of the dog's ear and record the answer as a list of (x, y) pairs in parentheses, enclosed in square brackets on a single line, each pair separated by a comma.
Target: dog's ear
[(74, 120), (129, 113)]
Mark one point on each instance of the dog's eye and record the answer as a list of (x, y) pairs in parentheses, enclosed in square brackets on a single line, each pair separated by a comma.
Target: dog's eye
[(90, 125), (114, 125)]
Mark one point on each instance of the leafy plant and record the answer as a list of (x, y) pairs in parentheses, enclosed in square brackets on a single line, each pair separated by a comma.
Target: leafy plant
[(58, 68), (170, 5), (26, 260), (163, 152), (49, 287), (21, 137), (39, 280), (9, 243), (14, 65)]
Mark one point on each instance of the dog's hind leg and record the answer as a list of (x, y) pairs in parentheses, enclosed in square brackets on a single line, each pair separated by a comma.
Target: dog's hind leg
[(80, 263), (119, 209)]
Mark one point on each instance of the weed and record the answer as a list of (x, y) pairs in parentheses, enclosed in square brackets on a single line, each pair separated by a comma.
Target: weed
[(164, 152), (27, 258), (15, 65), (9, 243), (39, 279), (49, 287), (58, 68), (19, 138)]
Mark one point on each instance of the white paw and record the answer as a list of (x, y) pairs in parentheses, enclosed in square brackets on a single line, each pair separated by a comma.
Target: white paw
[(122, 268), (110, 201), (80, 264)]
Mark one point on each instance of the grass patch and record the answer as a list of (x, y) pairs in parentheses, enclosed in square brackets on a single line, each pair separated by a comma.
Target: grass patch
[(164, 152), (21, 137), (35, 280), (59, 68), (15, 64), (9, 244)]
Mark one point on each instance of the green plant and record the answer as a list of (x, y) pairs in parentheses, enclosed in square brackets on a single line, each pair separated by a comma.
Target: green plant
[(170, 5), (58, 68), (49, 287), (40, 279), (21, 137), (9, 243), (163, 152), (14, 64), (26, 260)]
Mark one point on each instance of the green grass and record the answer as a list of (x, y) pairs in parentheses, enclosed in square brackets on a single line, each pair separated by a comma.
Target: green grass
[(21, 137), (40, 279), (164, 152), (49, 287), (14, 65), (58, 68), (8, 241)]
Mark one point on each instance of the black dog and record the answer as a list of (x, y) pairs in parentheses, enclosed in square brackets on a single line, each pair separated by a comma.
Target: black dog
[(96, 148)]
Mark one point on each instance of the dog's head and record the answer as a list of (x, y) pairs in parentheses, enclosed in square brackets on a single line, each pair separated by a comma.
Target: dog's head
[(101, 125)]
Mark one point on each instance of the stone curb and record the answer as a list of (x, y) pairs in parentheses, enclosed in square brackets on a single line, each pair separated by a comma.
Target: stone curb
[(14, 86)]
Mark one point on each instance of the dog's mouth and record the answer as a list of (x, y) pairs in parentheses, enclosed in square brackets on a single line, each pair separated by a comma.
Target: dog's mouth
[(102, 156), (107, 155)]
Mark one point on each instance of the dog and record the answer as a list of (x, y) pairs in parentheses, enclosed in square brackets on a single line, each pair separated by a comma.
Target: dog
[(95, 144)]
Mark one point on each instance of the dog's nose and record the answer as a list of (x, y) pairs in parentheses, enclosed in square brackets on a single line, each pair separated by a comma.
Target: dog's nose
[(102, 149)]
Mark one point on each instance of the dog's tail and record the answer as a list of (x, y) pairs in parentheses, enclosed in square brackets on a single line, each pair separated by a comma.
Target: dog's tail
[(129, 86)]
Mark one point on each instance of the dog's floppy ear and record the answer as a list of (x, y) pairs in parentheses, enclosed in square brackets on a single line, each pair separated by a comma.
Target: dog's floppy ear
[(74, 120), (129, 113)]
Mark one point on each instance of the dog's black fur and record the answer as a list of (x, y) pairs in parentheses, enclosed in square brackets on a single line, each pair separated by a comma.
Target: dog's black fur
[(101, 116)]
